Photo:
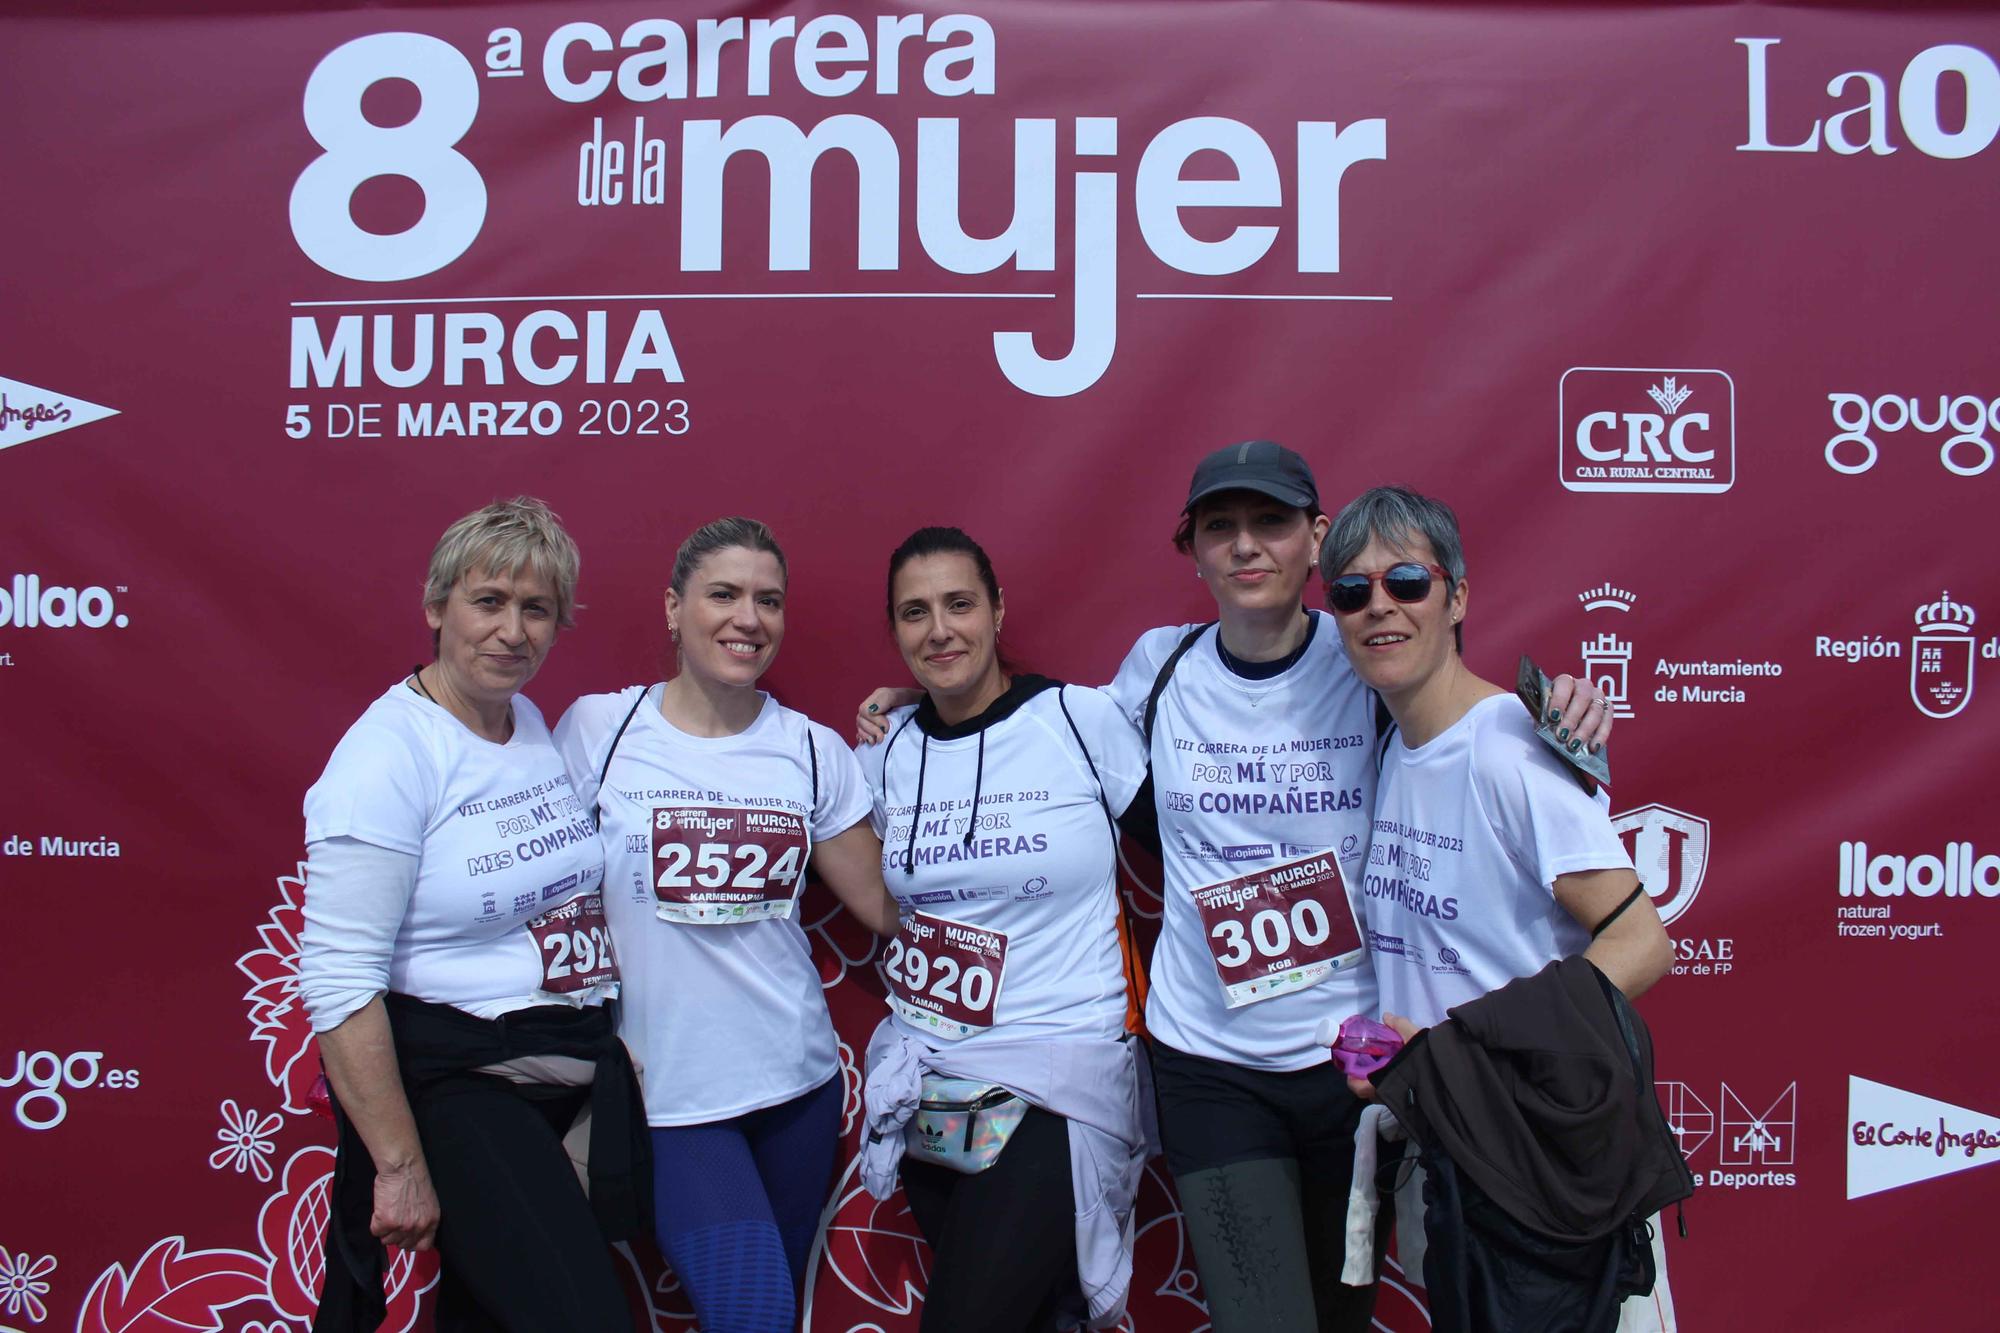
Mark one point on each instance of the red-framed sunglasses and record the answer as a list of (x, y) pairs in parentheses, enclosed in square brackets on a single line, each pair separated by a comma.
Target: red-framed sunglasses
[(1406, 582)]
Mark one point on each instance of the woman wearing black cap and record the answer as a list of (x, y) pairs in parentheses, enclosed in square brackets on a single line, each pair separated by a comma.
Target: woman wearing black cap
[(1262, 749), (1262, 743)]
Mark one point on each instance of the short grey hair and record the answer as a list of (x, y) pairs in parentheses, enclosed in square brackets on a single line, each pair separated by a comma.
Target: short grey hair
[(1395, 514), (722, 534), (506, 536)]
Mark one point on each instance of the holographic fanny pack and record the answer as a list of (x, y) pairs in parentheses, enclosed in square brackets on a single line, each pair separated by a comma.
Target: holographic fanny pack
[(961, 1123)]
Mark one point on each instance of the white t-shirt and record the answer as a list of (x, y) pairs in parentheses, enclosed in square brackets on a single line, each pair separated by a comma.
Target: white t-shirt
[(726, 1018), (1471, 831), (1032, 898), (500, 839), (1250, 774)]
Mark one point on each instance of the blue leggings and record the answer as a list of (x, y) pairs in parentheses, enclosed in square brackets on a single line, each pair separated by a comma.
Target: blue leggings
[(736, 1203)]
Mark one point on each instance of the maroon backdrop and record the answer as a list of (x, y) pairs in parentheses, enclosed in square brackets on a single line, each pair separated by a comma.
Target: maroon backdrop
[(1688, 309)]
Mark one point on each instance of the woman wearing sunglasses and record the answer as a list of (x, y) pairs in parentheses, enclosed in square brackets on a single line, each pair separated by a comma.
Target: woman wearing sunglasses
[(1262, 745), (712, 798), (1489, 861)]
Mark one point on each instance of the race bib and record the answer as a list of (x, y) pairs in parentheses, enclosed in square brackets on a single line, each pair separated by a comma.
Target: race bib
[(944, 977), (716, 865), (575, 945), (1280, 929)]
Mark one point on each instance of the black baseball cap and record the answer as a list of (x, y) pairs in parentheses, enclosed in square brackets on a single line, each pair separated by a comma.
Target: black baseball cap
[(1263, 466)]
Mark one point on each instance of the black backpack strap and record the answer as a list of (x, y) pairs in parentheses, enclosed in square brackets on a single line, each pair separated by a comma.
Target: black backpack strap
[(1103, 801), (1167, 674), (1137, 963), (597, 805), (1141, 819), (812, 757), (1385, 727)]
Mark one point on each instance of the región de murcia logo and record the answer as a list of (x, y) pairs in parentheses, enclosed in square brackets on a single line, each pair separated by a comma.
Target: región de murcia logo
[(1943, 649), (1941, 654)]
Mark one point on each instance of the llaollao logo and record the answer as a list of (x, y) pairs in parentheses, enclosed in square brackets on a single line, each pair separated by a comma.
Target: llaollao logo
[(27, 602)]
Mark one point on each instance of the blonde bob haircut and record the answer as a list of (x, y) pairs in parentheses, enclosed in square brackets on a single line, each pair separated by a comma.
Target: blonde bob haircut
[(505, 536)]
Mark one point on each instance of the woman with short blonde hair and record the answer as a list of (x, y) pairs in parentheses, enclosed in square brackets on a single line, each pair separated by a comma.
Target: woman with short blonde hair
[(455, 963)]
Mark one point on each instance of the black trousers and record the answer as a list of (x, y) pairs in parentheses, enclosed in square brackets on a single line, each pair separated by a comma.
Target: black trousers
[(1004, 1240), (522, 1251)]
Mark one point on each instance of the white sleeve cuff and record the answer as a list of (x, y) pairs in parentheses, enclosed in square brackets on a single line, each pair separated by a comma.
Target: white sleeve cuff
[(356, 897)]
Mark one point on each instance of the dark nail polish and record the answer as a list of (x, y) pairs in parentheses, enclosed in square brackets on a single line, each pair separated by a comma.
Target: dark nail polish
[(1574, 746), (1562, 733), (1555, 715)]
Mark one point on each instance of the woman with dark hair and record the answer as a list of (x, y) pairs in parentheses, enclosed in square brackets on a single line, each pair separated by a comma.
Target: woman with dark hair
[(455, 967), (1004, 1082), (713, 797)]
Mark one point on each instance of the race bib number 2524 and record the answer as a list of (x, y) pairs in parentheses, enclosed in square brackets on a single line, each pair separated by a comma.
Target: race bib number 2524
[(718, 864)]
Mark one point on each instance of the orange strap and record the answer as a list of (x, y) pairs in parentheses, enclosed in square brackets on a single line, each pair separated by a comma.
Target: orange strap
[(1135, 970)]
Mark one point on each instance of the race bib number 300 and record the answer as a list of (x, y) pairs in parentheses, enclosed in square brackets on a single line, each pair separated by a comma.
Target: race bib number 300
[(720, 864), (1280, 929), (575, 945), (944, 977)]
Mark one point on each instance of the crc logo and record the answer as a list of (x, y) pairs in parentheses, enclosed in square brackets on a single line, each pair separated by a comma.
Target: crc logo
[(1628, 429), (1669, 848), (1963, 420)]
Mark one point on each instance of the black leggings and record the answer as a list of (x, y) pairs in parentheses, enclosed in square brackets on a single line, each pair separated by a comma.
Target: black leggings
[(522, 1251), (1004, 1240), (1262, 1161)]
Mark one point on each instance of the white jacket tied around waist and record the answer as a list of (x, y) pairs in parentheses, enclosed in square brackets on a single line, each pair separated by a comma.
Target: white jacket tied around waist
[(1094, 1085)]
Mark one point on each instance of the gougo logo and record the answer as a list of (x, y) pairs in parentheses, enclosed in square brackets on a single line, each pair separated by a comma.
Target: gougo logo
[(47, 1074), (1857, 420)]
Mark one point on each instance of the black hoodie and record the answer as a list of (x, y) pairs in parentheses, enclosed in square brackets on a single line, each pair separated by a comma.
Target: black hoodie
[(932, 727)]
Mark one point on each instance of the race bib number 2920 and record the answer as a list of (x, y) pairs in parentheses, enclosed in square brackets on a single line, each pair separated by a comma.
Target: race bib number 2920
[(1280, 929), (943, 976), (719, 864)]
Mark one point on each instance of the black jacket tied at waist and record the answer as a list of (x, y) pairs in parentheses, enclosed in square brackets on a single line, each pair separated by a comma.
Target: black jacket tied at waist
[(436, 1043), (1545, 1150)]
